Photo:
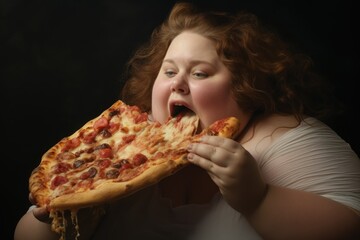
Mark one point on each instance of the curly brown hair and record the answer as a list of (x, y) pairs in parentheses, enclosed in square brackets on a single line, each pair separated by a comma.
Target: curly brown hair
[(267, 76)]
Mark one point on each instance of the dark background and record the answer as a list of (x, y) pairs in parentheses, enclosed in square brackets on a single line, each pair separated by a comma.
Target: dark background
[(62, 63)]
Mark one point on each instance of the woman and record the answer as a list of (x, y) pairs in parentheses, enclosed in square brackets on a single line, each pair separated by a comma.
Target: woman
[(287, 175)]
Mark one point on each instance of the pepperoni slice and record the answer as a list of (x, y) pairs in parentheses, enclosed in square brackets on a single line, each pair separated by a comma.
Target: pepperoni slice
[(90, 137), (89, 174), (104, 163), (112, 173), (139, 159), (71, 144), (57, 181), (129, 138), (113, 127), (141, 118), (101, 123), (61, 168)]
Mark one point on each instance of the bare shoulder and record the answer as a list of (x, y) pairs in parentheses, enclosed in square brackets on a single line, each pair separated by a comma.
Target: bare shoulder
[(276, 125), (264, 131)]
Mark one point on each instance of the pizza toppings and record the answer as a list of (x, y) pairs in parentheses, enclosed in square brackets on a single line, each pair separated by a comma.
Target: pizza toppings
[(114, 155)]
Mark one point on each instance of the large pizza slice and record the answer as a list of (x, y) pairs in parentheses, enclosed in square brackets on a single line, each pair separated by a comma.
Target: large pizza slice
[(114, 155)]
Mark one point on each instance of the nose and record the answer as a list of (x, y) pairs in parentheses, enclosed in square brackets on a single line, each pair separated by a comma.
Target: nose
[(179, 85)]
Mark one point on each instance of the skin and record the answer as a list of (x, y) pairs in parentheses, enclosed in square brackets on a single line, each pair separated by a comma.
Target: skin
[(193, 75)]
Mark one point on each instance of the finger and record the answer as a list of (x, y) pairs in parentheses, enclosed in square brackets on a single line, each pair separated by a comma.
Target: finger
[(216, 179), (42, 214), (202, 162), (32, 199), (226, 143), (212, 153)]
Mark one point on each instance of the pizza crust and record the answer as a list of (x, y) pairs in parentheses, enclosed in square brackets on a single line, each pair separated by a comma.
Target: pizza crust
[(111, 191), (230, 128)]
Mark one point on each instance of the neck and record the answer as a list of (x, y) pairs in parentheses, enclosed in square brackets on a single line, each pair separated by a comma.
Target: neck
[(248, 131)]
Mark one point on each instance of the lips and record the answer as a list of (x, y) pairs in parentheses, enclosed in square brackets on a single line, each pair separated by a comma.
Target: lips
[(178, 107)]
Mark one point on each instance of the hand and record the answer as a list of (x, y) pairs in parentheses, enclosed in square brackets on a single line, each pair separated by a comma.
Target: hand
[(233, 170), (40, 213)]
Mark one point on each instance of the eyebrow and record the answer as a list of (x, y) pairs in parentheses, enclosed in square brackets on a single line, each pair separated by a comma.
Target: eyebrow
[(192, 62)]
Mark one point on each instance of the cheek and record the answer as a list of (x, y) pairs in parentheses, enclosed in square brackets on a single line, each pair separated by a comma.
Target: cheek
[(212, 96), (159, 100), (214, 102)]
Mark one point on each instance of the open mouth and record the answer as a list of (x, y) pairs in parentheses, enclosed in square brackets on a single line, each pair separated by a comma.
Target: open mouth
[(179, 108)]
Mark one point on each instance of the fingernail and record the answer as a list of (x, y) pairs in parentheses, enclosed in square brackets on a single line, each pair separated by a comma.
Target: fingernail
[(190, 156), (189, 147)]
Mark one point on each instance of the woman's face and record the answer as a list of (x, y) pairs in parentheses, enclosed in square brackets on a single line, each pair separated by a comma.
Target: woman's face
[(193, 76)]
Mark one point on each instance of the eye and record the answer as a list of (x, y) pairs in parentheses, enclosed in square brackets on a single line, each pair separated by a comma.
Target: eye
[(170, 73), (200, 75)]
